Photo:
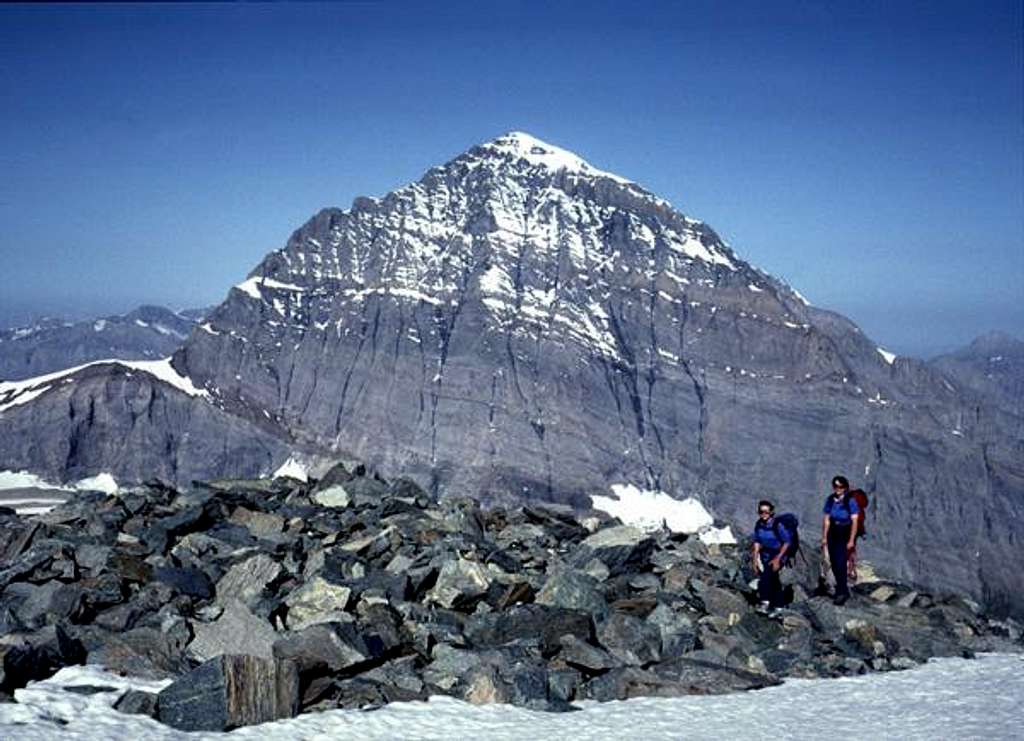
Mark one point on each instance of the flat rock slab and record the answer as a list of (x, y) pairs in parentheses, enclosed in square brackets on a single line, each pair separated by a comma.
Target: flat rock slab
[(529, 622), (236, 631), (708, 678), (246, 581), (621, 549)]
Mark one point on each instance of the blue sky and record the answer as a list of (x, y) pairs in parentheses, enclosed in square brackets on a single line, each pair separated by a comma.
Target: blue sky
[(871, 154)]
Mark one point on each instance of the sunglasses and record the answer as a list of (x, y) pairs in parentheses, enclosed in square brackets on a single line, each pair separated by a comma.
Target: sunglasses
[(764, 512)]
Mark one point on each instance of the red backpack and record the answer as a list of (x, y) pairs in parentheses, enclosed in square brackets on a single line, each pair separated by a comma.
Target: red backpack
[(861, 499)]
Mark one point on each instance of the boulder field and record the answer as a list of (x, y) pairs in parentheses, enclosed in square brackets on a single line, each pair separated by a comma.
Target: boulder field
[(259, 600)]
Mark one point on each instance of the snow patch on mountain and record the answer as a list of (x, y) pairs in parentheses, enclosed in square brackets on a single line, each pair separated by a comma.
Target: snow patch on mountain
[(293, 468), (15, 393), (103, 482), (32, 495), (540, 153), (163, 370), (252, 286), (651, 510), (23, 480)]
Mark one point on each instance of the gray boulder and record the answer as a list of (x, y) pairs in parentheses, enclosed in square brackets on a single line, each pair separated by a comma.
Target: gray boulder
[(586, 657), (460, 584), (246, 581), (529, 623), (335, 647), (137, 702), (237, 631), (631, 640), (622, 549), (574, 590), (317, 601), (709, 678), (140, 652), (230, 691)]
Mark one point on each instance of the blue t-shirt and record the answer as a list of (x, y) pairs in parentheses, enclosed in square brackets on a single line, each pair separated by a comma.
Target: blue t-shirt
[(840, 512), (771, 537)]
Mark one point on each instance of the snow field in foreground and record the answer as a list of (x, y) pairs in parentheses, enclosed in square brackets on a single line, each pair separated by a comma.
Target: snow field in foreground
[(944, 699)]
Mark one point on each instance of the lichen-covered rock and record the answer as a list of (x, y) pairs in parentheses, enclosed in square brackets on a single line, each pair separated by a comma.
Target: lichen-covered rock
[(317, 601), (574, 590), (460, 584)]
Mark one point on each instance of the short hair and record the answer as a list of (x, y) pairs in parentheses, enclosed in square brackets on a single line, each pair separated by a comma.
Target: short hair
[(840, 481), (766, 503)]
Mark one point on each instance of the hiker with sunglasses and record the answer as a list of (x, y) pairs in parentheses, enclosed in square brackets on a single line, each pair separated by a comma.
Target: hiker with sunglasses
[(772, 541), (839, 533)]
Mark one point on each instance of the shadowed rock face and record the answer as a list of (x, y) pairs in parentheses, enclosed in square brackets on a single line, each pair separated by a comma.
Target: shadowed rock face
[(111, 418), (519, 325)]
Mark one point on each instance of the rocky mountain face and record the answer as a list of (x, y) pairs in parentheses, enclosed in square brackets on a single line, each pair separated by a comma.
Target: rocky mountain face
[(518, 325), (261, 599), (147, 333), (118, 417)]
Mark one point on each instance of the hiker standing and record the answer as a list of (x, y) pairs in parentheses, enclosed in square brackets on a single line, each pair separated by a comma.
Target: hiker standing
[(772, 540), (839, 533)]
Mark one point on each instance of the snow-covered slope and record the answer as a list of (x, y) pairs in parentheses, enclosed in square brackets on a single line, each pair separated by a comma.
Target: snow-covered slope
[(946, 698), (14, 393)]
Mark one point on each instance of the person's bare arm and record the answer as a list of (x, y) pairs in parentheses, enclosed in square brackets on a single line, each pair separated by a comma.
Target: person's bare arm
[(854, 519), (776, 563)]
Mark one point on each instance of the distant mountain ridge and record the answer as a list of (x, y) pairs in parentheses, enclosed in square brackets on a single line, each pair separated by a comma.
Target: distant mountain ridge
[(519, 325), (147, 333), (992, 365)]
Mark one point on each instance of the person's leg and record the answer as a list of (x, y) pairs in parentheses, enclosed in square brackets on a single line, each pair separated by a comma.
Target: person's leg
[(775, 588), (764, 588), (837, 554)]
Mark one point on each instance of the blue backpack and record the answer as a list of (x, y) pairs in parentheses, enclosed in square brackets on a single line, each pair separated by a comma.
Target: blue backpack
[(791, 522)]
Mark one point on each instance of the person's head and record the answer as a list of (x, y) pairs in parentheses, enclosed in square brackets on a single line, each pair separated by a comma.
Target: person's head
[(840, 485), (765, 509)]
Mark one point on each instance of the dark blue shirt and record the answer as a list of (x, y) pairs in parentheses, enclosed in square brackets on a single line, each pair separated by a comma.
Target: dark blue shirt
[(840, 512), (771, 537)]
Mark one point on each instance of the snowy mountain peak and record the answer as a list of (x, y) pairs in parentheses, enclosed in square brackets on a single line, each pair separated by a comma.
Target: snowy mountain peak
[(521, 145)]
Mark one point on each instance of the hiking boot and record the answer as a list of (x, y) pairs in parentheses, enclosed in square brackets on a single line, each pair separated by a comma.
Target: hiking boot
[(762, 608), (840, 599)]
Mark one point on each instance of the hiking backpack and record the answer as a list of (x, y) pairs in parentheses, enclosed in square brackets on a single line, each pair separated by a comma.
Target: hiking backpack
[(861, 499), (791, 523)]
